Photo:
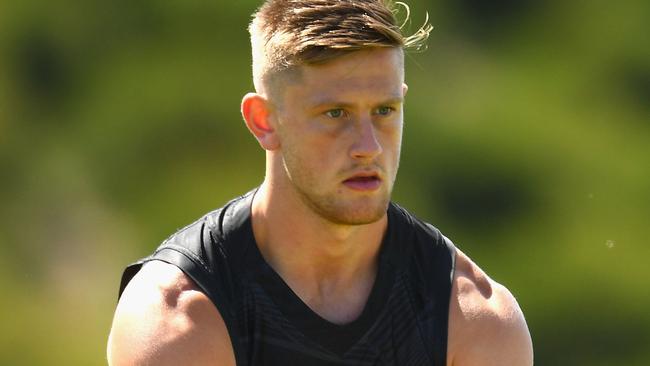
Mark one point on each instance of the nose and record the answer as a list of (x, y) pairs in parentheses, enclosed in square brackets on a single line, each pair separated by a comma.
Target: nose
[(365, 146)]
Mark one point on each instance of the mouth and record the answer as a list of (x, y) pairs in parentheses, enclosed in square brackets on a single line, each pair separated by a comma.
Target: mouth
[(367, 181)]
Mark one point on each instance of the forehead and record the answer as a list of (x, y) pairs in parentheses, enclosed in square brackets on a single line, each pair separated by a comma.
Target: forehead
[(376, 72)]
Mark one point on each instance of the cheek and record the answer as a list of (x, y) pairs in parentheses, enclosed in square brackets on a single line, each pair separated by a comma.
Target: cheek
[(305, 155), (320, 143), (393, 138)]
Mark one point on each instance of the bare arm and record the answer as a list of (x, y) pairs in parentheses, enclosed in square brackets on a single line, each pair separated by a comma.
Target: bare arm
[(164, 319), (486, 325)]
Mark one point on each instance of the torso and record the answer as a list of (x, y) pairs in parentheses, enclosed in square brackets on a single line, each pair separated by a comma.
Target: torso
[(403, 321)]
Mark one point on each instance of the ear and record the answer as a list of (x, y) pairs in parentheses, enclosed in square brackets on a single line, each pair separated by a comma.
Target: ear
[(405, 88), (257, 114)]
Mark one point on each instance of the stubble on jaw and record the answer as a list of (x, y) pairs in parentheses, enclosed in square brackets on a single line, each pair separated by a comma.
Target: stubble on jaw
[(333, 206), (346, 214)]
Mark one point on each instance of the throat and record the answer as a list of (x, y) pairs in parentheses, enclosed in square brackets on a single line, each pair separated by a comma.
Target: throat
[(340, 305)]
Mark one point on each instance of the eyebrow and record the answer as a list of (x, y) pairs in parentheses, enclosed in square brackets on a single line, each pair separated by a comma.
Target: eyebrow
[(316, 102)]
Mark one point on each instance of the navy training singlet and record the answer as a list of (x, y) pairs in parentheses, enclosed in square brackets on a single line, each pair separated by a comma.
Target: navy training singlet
[(404, 321)]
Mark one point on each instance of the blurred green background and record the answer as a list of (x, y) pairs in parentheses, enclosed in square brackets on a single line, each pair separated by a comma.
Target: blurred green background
[(526, 141)]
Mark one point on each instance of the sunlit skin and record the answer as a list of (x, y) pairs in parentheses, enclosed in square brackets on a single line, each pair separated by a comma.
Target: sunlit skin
[(332, 136)]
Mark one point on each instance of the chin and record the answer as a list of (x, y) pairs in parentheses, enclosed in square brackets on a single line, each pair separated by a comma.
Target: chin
[(355, 214), (344, 209), (359, 220)]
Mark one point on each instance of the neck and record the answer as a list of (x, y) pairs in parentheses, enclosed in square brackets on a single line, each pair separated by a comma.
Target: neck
[(291, 236), (331, 267)]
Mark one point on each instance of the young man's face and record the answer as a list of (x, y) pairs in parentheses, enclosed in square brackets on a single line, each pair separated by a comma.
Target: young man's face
[(340, 131)]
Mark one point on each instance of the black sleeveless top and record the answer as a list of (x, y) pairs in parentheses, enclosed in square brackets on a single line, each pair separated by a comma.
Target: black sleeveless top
[(403, 323)]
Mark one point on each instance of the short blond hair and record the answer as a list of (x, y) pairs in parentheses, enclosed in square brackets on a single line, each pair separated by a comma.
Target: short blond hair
[(288, 33)]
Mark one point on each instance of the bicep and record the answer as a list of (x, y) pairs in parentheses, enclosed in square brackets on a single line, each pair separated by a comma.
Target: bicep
[(162, 319)]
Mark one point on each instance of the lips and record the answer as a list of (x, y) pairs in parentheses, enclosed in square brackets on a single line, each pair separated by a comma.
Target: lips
[(367, 181)]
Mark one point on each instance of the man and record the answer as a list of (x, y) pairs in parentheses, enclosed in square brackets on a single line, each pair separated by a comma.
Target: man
[(316, 266)]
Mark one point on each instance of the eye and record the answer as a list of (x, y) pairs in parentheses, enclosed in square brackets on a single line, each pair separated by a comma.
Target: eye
[(335, 113), (384, 111)]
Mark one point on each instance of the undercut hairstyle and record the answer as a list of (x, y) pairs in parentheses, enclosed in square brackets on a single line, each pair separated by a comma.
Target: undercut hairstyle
[(290, 33)]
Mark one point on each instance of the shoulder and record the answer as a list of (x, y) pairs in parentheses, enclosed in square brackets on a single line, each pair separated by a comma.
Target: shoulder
[(163, 318), (428, 239), (486, 325)]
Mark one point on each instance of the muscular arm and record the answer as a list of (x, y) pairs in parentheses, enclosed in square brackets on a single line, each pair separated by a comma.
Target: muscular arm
[(164, 319), (486, 325)]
